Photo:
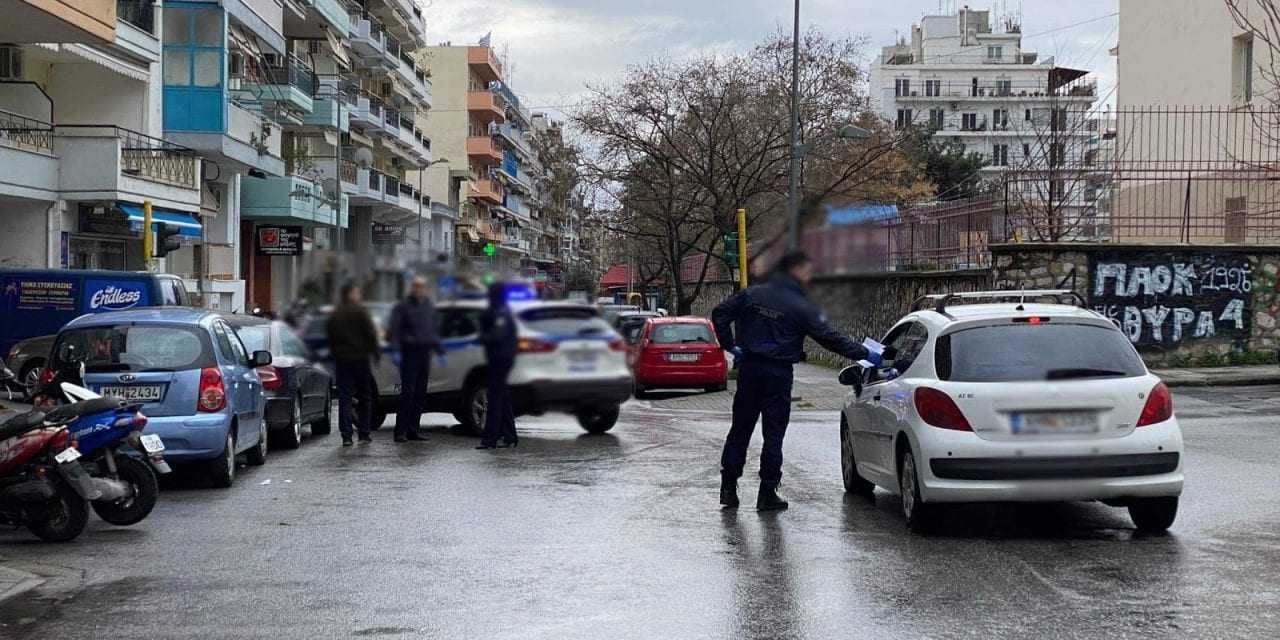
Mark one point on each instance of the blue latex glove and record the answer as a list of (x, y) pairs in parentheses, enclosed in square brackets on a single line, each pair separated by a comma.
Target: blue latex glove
[(875, 358), (395, 358), (736, 352)]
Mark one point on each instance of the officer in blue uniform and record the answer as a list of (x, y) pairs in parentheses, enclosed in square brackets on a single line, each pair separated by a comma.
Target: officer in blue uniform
[(498, 333), (772, 321)]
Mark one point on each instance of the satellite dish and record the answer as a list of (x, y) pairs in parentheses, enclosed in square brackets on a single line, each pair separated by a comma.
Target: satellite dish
[(364, 157)]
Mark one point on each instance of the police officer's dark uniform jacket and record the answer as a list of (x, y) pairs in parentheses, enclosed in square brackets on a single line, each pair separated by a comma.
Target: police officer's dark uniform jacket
[(772, 321)]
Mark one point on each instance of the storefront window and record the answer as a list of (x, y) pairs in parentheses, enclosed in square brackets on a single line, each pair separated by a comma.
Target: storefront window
[(96, 253)]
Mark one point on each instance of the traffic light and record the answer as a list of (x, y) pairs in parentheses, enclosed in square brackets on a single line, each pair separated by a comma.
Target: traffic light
[(490, 249), (731, 248), (167, 240)]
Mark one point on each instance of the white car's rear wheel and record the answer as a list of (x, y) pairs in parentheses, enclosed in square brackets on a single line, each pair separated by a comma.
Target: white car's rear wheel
[(853, 482), (918, 514), (1153, 515)]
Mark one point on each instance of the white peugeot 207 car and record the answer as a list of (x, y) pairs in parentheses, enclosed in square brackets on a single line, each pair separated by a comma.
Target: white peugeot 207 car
[(1011, 401)]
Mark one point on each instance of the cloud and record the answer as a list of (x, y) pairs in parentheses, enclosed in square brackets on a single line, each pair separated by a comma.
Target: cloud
[(555, 47)]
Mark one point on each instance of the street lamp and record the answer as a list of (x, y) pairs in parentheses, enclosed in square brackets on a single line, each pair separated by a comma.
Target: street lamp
[(798, 154), (420, 172)]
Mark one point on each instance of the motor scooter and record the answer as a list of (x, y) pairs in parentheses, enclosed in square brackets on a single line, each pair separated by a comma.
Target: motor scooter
[(42, 484), (108, 432)]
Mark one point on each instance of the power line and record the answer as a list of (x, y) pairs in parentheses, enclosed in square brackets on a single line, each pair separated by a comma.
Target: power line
[(1072, 26)]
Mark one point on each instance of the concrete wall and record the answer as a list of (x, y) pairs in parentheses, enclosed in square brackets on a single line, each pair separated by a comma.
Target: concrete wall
[(1176, 303), (446, 123), (24, 241), (115, 99)]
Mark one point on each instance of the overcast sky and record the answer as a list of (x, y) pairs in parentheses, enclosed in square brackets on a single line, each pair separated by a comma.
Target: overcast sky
[(555, 46)]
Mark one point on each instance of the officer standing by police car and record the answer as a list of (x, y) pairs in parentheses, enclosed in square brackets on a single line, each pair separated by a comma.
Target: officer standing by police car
[(772, 321)]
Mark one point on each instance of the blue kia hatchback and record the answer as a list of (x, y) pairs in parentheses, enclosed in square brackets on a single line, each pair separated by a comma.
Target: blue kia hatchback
[(196, 382)]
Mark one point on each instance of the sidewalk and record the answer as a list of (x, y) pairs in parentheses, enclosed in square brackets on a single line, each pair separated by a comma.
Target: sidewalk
[(1221, 376)]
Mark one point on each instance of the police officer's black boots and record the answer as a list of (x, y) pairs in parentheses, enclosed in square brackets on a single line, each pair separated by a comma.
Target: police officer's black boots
[(768, 499), (729, 492)]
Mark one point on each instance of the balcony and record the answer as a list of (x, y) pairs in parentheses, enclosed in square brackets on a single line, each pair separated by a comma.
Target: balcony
[(291, 86), (28, 168), (408, 199), (332, 12), (323, 168), (484, 150), (485, 105), (391, 120), (367, 36), (292, 198), (998, 91), (368, 112), (486, 190), (391, 52), (329, 112), (368, 187), (104, 162), (484, 63)]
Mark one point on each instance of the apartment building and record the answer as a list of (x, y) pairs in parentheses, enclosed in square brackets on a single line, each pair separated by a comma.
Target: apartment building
[(81, 146), (968, 78), (1197, 126)]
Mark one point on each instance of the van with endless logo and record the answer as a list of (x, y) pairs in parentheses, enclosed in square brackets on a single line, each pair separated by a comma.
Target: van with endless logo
[(38, 302)]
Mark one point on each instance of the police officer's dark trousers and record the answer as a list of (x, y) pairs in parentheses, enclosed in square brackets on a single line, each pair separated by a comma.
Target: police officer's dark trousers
[(415, 370), (499, 418), (355, 396), (764, 391)]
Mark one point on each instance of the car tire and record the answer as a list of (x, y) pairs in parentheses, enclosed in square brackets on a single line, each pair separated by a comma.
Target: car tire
[(1153, 515), (257, 456), (716, 388), (29, 377), (598, 421), (324, 426), (919, 515), (640, 392), (222, 470), (853, 481), (291, 437), (146, 490), (62, 520), (475, 404)]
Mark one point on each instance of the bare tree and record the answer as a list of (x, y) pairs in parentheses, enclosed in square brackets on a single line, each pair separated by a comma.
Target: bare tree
[(680, 146)]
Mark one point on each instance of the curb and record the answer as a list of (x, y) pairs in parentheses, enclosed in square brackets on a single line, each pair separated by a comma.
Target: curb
[(1225, 381), (14, 583)]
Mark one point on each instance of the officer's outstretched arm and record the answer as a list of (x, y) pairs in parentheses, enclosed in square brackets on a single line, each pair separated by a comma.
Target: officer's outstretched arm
[(723, 317), (832, 340)]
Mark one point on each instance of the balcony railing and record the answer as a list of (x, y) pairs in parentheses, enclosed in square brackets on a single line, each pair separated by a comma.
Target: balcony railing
[(406, 122), (375, 181), (139, 13), (393, 46), (294, 73), (391, 185), (947, 90), (21, 132), (391, 116), (141, 155), (422, 138)]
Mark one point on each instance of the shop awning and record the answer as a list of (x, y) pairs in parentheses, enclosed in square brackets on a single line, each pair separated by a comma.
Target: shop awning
[(187, 224), (617, 276)]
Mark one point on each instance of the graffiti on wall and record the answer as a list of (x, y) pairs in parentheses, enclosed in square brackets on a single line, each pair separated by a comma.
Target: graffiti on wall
[(1163, 298)]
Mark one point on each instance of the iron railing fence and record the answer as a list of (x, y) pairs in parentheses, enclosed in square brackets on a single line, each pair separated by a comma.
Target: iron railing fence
[(20, 132), (141, 155)]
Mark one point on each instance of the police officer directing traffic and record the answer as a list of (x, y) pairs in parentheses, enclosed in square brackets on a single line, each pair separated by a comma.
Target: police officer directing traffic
[(772, 321)]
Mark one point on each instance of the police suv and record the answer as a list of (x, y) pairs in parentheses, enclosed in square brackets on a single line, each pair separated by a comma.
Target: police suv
[(569, 360)]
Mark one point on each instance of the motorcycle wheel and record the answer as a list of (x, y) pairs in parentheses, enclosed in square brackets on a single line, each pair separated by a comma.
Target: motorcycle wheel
[(146, 489), (64, 518)]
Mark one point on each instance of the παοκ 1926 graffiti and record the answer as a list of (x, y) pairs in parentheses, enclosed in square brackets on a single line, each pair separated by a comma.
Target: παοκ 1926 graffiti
[(1170, 297)]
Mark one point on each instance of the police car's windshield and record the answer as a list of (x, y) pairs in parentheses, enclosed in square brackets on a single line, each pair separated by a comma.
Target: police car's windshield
[(564, 321)]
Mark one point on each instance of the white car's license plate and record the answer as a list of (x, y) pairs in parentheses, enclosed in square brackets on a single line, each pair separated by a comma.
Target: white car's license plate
[(1049, 422), (67, 456), (682, 357), (152, 443), (136, 392)]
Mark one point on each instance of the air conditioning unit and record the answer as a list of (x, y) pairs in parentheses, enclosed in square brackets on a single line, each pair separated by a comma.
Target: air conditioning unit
[(10, 63)]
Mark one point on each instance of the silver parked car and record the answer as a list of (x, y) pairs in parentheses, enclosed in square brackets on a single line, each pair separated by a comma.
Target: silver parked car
[(27, 358)]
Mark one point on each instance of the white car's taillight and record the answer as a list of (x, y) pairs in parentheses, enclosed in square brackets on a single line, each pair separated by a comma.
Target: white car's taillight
[(939, 410), (1159, 406)]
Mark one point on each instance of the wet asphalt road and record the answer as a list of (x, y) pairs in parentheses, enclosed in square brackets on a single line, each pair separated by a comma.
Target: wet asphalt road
[(619, 536)]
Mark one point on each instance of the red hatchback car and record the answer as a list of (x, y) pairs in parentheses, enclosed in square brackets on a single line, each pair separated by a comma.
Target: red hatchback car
[(679, 353)]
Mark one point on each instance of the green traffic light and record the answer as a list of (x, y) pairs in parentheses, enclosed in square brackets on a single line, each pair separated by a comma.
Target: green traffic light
[(490, 249)]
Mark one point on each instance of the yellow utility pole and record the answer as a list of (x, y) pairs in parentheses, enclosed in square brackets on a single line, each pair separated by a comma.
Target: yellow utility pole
[(147, 240), (742, 249)]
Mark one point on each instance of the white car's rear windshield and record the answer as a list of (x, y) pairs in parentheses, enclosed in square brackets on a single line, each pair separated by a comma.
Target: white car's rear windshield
[(564, 321), (1029, 352)]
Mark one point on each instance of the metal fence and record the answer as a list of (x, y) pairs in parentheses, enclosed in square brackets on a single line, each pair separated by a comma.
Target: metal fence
[(1191, 176), (20, 132)]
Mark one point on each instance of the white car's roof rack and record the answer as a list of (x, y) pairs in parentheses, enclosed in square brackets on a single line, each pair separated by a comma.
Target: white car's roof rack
[(941, 300)]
